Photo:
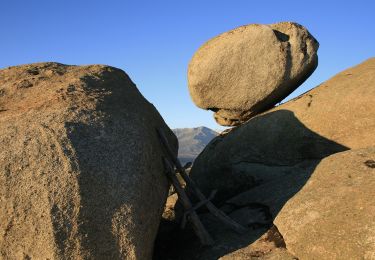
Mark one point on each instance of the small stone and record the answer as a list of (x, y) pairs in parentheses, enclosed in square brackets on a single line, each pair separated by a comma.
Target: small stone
[(24, 84), (370, 163)]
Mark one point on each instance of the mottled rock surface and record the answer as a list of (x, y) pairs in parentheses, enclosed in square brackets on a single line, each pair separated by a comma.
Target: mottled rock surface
[(246, 71), (81, 175), (332, 216)]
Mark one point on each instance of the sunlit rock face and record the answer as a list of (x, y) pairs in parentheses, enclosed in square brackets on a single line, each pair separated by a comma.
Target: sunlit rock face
[(81, 175), (248, 70)]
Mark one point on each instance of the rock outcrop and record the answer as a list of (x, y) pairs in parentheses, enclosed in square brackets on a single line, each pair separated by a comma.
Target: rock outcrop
[(332, 216), (300, 177), (322, 210), (81, 175), (248, 70), (335, 116)]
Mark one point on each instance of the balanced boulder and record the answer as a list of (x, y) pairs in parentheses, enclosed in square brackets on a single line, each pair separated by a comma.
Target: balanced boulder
[(246, 71), (333, 117), (81, 175)]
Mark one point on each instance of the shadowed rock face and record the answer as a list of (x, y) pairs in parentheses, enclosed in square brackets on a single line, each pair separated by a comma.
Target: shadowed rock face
[(248, 70), (267, 147), (80, 163)]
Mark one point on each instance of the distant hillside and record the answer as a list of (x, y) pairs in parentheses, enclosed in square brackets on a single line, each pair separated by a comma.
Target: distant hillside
[(192, 141)]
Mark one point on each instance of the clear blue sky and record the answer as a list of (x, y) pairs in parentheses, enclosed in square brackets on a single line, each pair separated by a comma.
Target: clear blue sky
[(153, 41)]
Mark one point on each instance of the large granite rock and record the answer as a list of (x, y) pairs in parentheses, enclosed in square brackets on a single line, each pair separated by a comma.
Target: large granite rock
[(246, 71), (81, 175), (321, 208), (332, 216), (335, 116)]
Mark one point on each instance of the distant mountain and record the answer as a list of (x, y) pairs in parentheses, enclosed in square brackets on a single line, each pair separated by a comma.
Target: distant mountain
[(192, 141)]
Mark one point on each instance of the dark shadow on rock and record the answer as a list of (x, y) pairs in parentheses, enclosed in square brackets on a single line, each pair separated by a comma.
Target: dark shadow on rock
[(271, 157)]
